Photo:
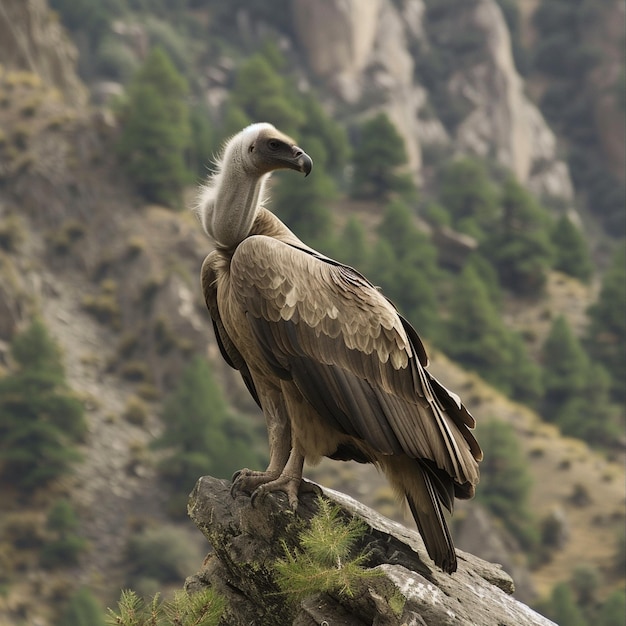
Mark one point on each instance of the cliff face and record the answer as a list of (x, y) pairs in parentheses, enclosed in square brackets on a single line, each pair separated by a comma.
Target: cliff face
[(32, 39), (366, 56)]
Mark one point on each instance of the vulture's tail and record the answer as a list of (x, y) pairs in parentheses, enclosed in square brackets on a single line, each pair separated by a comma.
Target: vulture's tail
[(427, 491), (425, 504)]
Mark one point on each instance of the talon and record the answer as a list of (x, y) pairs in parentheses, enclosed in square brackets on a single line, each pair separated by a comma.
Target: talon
[(236, 475), (259, 492)]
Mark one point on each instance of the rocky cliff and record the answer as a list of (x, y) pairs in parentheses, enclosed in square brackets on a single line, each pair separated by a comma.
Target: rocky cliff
[(246, 542), (386, 54), (32, 39)]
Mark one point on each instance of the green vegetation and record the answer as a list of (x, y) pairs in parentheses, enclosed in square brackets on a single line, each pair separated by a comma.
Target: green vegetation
[(576, 602), (606, 337), (518, 244), (66, 546), (156, 130), (201, 436), (325, 559), (572, 252), (159, 555), (40, 419), (475, 334), (405, 266), (82, 610), (577, 395), (469, 196), (505, 481), (204, 608), (378, 155)]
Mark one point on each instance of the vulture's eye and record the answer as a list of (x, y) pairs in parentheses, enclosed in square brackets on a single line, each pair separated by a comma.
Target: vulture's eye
[(273, 144), (251, 148)]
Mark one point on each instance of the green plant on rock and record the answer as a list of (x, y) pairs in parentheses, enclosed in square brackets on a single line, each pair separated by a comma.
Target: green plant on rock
[(324, 561), (204, 608)]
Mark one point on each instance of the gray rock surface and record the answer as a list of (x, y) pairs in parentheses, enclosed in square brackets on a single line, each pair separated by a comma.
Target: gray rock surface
[(246, 541)]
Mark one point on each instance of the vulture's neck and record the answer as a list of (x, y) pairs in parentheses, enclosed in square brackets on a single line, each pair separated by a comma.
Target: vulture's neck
[(230, 201)]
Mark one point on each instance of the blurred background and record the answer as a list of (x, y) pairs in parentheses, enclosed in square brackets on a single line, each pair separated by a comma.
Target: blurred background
[(469, 159)]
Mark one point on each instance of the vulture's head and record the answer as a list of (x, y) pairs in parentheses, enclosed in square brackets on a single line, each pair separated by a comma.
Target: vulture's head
[(264, 149), (229, 201)]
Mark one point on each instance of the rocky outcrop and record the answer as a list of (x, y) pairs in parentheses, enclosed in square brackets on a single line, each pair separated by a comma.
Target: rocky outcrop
[(368, 58), (32, 39), (246, 541)]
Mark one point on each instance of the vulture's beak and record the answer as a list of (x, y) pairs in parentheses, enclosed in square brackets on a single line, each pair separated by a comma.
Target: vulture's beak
[(303, 160)]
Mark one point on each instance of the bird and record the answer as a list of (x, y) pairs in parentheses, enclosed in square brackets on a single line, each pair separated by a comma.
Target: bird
[(334, 367)]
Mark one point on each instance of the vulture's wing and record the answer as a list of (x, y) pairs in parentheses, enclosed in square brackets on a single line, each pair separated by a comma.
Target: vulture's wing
[(324, 326), (227, 348)]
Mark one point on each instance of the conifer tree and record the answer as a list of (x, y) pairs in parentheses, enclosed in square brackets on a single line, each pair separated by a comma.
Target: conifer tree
[(202, 437), (606, 337), (518, 244), (505, 481), (353, 250), (562, 608), (155, 130), (572, 253), (469, 197), (407, 271), (613, 610), (566, 368), (67, 545), (40, 420), (377, 158), (263, 94), (474, 333)]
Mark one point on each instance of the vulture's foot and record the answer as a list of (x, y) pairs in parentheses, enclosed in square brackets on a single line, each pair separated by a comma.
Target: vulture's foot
[(247, 481), (285, 483)]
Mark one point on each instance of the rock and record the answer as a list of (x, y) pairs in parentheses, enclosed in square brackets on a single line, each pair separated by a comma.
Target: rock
[(477, 533), (32, 39), (366, 56), (246, 541)]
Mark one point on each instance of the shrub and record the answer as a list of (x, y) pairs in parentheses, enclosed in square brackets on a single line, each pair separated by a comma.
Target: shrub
[(163, 553)]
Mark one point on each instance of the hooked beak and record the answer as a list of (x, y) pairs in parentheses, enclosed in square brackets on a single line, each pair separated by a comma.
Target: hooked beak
[(302, 160)]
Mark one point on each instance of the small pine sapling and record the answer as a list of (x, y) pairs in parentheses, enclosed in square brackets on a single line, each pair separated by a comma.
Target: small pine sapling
[(204, 608), (324, 562)]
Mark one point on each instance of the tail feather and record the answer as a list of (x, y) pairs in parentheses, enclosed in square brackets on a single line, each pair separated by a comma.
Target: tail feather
[(425, 504)]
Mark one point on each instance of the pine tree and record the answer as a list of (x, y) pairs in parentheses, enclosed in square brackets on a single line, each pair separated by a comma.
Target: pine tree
[(353, 246), (469, 197), (67, 545), (409, 274), (40, 419), (562, 607), (202, 437), (518, 244), (571, 250), (606, 337), (377, 158), (474, 332), (613, 610), (264, 95), (566, 367), (505, 481), (155, 130)]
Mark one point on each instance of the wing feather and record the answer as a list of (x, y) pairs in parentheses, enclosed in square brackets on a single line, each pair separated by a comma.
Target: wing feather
[(352, 356)]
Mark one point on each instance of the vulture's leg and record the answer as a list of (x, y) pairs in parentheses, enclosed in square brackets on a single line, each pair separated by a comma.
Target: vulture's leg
[(279, 435), (289, 481)]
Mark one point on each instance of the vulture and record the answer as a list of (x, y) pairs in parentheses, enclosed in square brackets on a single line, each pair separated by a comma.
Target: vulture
[(336, 370)]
